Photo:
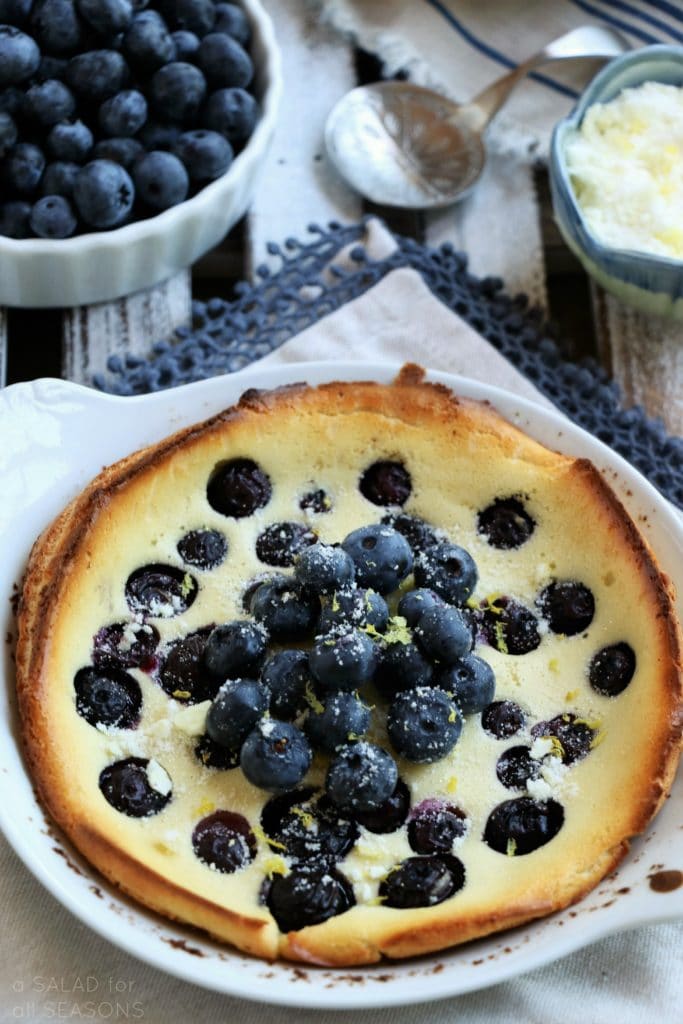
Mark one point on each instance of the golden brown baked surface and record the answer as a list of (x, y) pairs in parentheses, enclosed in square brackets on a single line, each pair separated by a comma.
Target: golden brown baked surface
[(461, 457)]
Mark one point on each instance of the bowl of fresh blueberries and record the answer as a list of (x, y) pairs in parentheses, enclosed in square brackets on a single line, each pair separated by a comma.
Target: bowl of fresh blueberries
[(131, 134)]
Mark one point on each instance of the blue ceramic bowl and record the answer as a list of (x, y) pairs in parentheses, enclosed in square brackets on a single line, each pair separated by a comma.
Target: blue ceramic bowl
[(651, 283)]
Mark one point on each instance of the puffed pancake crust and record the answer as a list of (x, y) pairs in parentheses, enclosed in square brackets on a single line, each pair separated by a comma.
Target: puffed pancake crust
[(594, 768)]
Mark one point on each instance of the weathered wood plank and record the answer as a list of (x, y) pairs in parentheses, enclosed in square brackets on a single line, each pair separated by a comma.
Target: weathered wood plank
[(92, 333), (644, 355)]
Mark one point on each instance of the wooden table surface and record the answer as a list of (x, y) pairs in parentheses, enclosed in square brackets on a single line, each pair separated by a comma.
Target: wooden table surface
[(298, 187)]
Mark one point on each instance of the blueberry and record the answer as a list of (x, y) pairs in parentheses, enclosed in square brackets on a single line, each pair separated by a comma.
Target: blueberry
[(422, 882), (205, 154), (19, 56), (236, 708), (324, 569), (568, 606), (125, 645), (281, 543), (416, 531), (53, 217), (97, 74), (443, 635), (213, 755), (108, 696), (238, 488), (125, 151), (354, 607), (308, 826), (148, 44), (56, 26), (576, 737), (186, 45), (15, 219), (381, 555), (434, 826), (11, 99), (520, 826), (503, 719), (177, 91), (161, 180), (423, 724), (343, 662), (224, 841), (282, 607), (156, 135), (195, 15), (48, 102), (471, 681), (386, 483), (108, 17), (123, 114), (448, 570), (16, 12), (612, 669), (236, 649), (104, 194), (126, 787), (308, 896), (160, 590), (401, 667), (505, 523), (232, 112), (59, 179), (510, 627), (182, 674), (275, 755), (515, 767), (232, 20), (317, 501), (286, 676), (416, 602), (8, 133), (203, 549), (343, 717), (24, 166), (361, 777), (224, 62), (390, 814), (70, 141)]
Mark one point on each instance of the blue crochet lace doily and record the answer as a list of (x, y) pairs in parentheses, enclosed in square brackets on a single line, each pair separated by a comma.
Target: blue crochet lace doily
[(226, 336)]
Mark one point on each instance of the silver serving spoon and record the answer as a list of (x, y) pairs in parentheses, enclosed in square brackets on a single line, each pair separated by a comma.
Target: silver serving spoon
[(401, 145)]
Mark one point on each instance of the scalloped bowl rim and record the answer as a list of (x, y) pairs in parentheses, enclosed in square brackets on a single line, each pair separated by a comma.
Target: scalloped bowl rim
[(136, 231)]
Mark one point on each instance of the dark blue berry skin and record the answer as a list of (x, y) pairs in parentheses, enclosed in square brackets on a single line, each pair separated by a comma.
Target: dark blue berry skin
[(24, 166), (236, 709), (124, 785), (71, 141), (569, 606), (123, 114), (204, 549), (448, 570), (386, 483), (15, 12), (525, 822), (344, 717), (56, 26), (324, 569), (471, 681), (224, 62), (148, 44), (415, 603), (19, 56), (224, 841), (108, 17), (443, 635), (416, 531), (156, 135), (390, 815), (186, 45), (233, 113), (8, 133), (343, 663), (177, 91), (361, 777), (50, 67), (160, 180), (285, 611), (423, 724), (382, 557), (124, 151), (97, 74), (205, 154), (108, 696), (59, 179), (238, 488), (48, 103), (510, 627), (434, 826), (15, 219), (286, 674), (53, 217), (402, 667), (275, 756), (505, 523), (236, 649), (422, 882), (194, 15), (354, 607), (612, 669), (232, 20), (308, 895), (328, 839), (11, 99), (104, 194)]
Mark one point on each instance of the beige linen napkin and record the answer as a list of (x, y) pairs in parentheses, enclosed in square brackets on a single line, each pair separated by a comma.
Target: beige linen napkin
[(632, 978)]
